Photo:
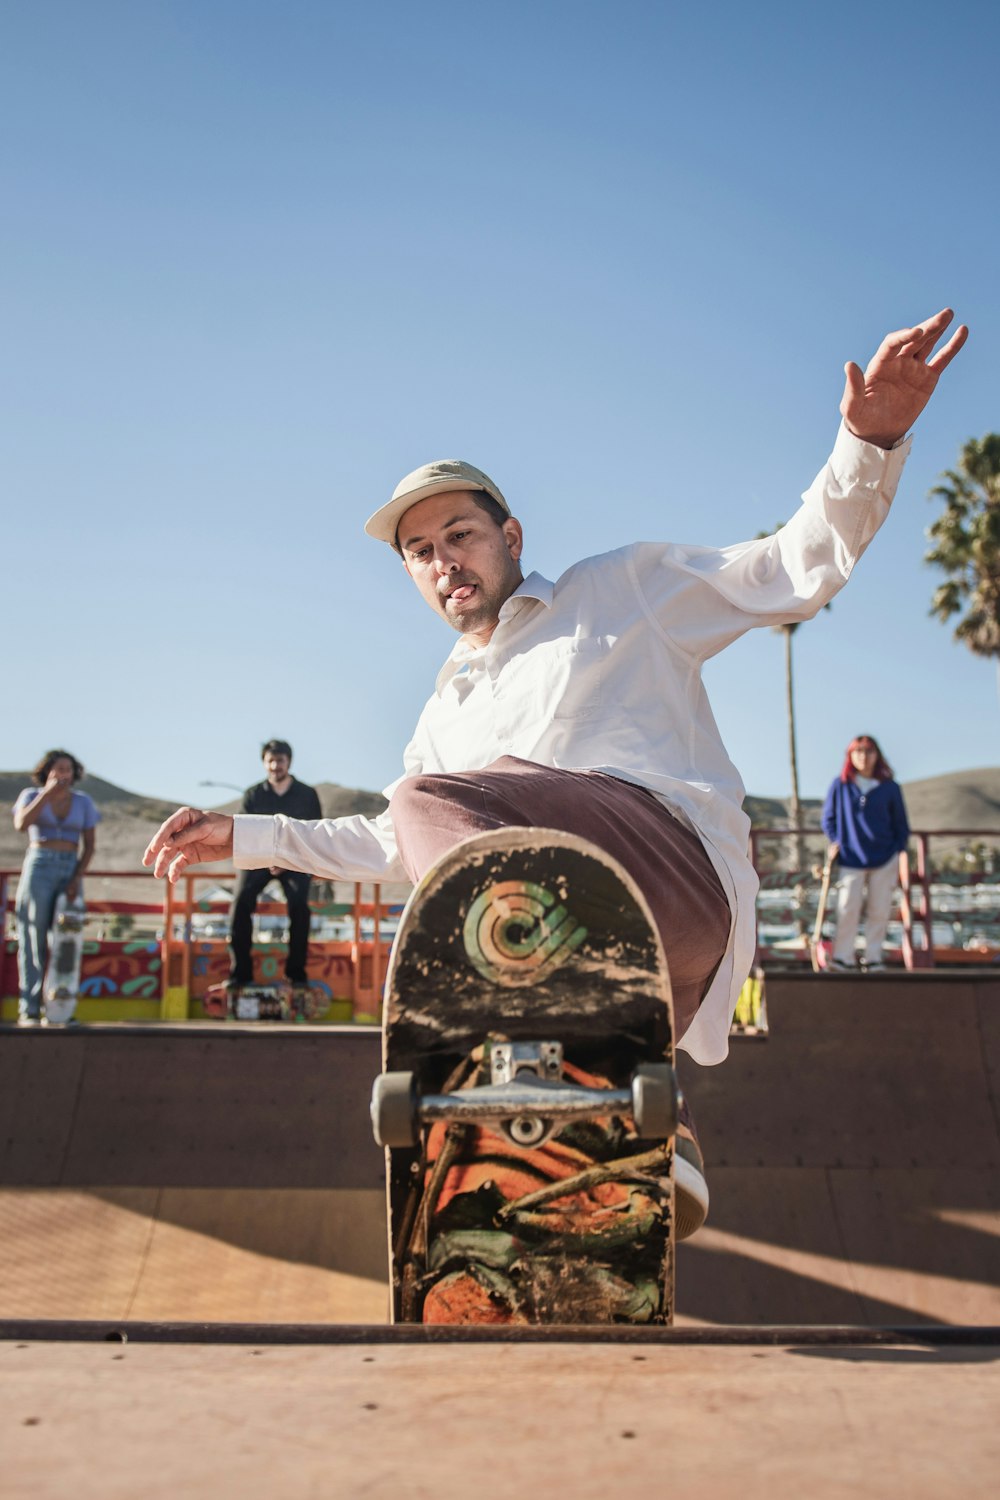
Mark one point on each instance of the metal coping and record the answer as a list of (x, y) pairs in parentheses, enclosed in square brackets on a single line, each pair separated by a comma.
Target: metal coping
[(93, 1331), (188, 1030)]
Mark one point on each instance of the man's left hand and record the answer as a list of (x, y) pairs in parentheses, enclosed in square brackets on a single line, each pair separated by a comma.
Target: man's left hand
[(881, 404)]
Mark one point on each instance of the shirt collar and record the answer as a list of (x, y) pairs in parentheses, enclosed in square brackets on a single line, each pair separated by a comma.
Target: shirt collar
[(532, 587), (535, 586)]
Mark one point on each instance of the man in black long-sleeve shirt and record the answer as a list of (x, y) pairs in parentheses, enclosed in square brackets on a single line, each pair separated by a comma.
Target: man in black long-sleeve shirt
[(280, 793)]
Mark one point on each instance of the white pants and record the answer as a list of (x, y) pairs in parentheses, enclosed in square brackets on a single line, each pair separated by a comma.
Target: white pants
[(881, 883)]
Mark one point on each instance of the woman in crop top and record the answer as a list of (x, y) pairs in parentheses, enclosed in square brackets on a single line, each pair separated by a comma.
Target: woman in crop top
[(60, 823)]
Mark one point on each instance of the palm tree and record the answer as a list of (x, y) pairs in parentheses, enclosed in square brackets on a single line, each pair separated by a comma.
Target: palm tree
[(966, 544), (794, 807), (794, 804)]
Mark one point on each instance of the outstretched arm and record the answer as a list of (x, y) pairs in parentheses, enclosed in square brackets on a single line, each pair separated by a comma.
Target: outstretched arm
[(189, 837), (881, 403), (349, 848)]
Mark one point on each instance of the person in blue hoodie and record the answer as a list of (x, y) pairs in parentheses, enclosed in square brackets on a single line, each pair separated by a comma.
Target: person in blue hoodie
[(864, 817)]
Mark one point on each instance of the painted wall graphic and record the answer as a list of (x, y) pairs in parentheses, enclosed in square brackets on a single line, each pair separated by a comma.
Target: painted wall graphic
[(133, 970), (126, 970), (329, 965)]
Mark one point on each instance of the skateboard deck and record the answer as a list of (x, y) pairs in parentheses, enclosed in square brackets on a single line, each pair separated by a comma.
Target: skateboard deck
[(265, 1002), (61, 988), (819, 949), (528, 1100)]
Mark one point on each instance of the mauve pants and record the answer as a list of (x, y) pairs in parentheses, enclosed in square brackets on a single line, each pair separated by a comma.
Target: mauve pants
[(434, 812)]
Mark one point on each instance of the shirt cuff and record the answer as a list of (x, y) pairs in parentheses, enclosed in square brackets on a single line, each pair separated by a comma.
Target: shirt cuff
[(867, 464), (254, 839)]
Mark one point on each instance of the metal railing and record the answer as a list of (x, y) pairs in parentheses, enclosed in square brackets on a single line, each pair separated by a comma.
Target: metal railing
[(171, 917), (921, 882)]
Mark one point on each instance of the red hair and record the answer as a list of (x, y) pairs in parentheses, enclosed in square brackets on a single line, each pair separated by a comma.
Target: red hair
[(882, 770)]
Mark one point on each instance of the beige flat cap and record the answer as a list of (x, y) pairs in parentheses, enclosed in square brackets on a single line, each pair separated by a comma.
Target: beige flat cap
[(429, 479)]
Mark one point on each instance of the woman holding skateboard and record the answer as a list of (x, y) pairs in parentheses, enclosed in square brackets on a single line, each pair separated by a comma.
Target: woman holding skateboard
[(60, 823), (864, 817)]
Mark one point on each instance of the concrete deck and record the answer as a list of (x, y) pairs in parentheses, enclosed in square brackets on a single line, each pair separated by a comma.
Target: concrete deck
[(499, 1420)]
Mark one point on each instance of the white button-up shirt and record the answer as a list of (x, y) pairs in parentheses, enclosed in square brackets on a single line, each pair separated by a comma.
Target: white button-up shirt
[(601, 671)]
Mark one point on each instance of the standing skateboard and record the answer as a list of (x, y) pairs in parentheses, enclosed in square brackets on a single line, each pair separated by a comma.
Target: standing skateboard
[(528, 1101), (818, 954), (61, 989)]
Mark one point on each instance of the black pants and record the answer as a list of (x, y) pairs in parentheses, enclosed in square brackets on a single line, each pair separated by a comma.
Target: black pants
[(248, 888)]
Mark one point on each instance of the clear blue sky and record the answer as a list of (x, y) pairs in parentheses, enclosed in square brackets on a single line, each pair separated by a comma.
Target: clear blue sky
[(261, 259)]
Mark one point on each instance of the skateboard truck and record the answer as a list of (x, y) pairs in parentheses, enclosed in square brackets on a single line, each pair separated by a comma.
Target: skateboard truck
[(528, 1100)]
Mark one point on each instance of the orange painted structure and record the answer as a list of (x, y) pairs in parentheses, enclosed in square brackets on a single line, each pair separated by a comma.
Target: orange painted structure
[(161, 967)]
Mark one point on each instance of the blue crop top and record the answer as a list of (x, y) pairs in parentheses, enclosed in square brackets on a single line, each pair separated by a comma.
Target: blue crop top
[(82, 815)]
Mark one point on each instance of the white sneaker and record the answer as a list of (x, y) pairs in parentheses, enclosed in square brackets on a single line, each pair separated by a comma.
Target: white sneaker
[(691, 1206)]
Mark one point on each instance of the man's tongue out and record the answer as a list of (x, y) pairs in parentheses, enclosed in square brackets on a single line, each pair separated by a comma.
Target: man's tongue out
[(464, 592)]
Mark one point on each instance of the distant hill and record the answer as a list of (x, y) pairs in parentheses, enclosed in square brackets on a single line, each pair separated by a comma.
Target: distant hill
[(772, 812), (961, 799), (336, 801), (109, 798), (129, 819)]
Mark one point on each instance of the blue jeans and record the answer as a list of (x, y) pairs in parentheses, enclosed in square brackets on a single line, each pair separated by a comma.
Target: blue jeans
[(44, 874)]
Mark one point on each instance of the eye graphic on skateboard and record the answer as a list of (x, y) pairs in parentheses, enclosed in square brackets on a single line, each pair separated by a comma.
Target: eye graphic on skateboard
[(515, 932)]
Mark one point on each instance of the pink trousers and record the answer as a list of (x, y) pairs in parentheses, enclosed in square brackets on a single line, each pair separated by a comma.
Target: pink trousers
[(432, 813)]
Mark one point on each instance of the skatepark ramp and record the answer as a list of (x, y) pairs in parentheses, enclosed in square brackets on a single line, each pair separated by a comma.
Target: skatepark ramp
[(213, 1172), (854, 1157), (227, 1173)]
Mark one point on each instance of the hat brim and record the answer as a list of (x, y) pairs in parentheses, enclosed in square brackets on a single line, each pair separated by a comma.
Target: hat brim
[(384, 524)]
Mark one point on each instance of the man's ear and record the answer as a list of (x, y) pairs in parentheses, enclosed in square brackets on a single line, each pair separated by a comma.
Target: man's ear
[(514, 537)]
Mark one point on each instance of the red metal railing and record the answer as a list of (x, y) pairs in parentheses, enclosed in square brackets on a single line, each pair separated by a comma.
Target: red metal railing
[(172, 914)]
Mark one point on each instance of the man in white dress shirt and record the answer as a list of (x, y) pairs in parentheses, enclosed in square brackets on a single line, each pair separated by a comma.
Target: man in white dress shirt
[(579, 704)]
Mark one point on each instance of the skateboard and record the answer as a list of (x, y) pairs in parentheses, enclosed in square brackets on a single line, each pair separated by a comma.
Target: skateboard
[(61, 989), (265, 1002), (528, 1100), (818, 955)]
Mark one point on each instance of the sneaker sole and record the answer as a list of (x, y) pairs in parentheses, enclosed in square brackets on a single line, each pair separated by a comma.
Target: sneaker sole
[(691, 1197)]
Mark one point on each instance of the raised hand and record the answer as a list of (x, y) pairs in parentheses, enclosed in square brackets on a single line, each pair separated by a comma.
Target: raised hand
[(882, 403), (189, 837)]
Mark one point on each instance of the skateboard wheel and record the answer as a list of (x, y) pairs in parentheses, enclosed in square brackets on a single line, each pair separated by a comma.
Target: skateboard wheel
[(654, 1101), (392, 1110)]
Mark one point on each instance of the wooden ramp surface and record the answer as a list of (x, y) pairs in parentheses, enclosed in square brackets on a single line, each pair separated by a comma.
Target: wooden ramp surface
[(228, 1173), (854, 1157)]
